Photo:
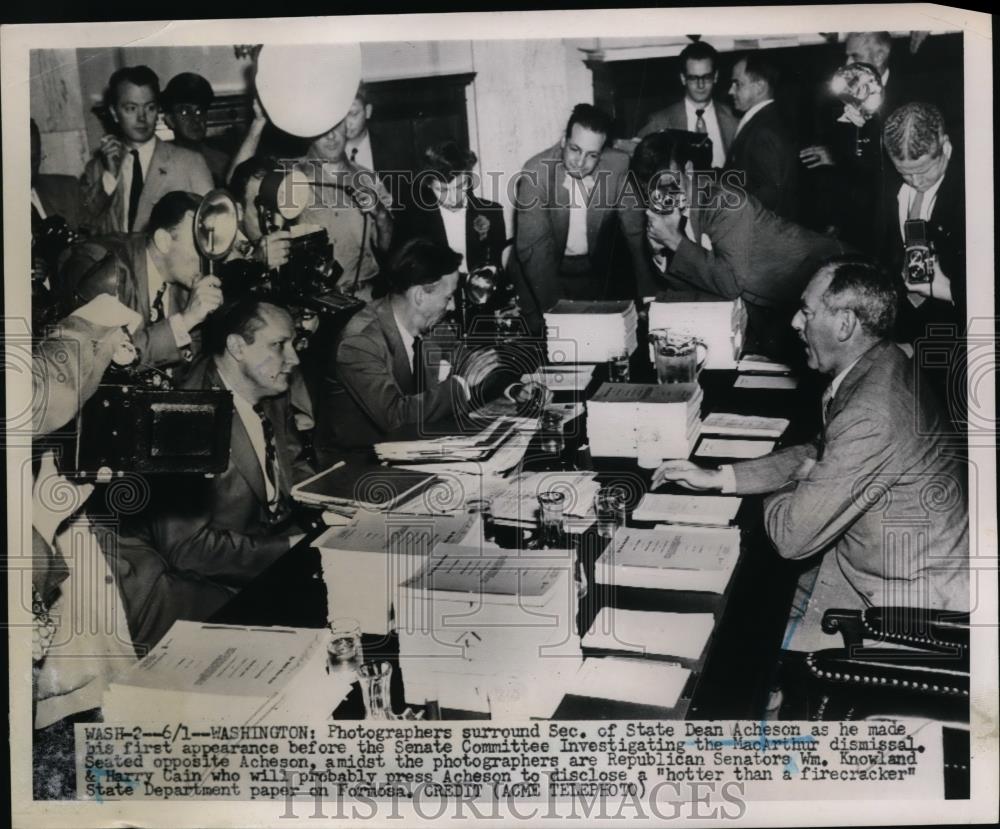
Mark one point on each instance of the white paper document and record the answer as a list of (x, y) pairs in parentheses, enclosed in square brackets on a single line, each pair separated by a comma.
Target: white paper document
[(765, 381), (682, 635), (701, 510), (728, 448), (738, 425), (646, 682), (762, 365)]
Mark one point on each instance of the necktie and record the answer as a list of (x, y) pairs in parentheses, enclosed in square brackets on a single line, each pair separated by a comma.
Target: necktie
[(271, 468), (135, 190), (416, 365), (916, 206), (156, 311), (700, 126), (821, 444), (354, 153)]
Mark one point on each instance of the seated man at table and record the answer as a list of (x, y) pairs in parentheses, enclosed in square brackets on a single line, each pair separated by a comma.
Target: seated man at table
[(227, 529), (877, 497), (722, 242), (384, 377)]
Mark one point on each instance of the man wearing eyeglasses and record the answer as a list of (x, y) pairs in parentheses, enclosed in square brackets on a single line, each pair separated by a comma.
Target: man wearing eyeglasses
[(132, 169), (186, 102), (697, 111)]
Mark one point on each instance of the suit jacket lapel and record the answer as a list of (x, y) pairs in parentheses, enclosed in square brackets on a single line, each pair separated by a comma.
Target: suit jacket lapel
[(138, 255), (560, 196), (152, 184), (241, 452), (400, 356)]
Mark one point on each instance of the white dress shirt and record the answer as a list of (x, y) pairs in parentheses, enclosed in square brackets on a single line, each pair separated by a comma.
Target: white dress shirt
[(750, 113), (155, 281), (454, 230), (579, 194), (37, 204), (255, 431), (125, 173), (711, 123), (363, 157), (907, 194)]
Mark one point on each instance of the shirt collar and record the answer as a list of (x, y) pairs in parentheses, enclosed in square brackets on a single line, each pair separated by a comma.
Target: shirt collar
[(691, 106), (750, 113), (831, 390), (885, 78), (238, 399), (146, 151)]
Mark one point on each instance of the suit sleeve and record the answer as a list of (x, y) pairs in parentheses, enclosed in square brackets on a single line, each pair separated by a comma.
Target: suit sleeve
[(856, 467), (770, 472), (94, 201), (364, 370), (768, 170), (534, 245), (201, 180), (721, 270)]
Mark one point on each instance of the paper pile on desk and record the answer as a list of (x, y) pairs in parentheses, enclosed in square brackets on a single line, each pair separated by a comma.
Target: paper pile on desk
[(345, 488), (580, 331), (724, 423), (517, 503), (669, 414), (719, 324), (364, 564), (681, 635), (475, 621), (562, 378), (475, 447), (642, 681), (698, 510), (226, 674), (674, 558)]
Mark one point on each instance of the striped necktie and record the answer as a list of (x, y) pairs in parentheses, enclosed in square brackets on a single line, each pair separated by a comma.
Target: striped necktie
[(271, 468), (700, 126)]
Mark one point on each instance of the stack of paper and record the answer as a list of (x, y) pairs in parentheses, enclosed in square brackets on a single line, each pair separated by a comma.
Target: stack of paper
[(677, 558), (581, 331), (722, 423), (733, 448), (364, 564), (228, 674), (345, 488), (759, 364), (517, 504), (697, 510), (720, 325), (563, 378), (681, 635), (646, 682), (665, 415), (450, 448), (474, 622)]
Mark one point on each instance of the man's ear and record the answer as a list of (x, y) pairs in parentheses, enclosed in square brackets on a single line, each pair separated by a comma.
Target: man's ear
[(162, 240), (169, 119), (236, 345), (946, 146), (368, 111), (847, 324), (689, 168), (683, 79)]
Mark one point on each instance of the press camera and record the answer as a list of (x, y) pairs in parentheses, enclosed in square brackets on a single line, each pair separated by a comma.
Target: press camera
[(918, 252)]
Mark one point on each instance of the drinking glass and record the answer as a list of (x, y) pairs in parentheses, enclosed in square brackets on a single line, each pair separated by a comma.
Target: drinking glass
[(609, 507), (343, 649), (676, 356)]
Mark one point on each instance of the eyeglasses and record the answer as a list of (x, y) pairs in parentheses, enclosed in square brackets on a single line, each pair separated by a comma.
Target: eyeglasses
[(700, 79), (189, 110)]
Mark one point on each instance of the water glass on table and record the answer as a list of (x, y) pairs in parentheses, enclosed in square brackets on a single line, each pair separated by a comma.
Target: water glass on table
[(609, 508), (676, 356), (343, 649)]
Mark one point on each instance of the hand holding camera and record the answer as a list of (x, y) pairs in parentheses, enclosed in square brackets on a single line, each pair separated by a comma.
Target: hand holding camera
[(274, 249), (663, 230)]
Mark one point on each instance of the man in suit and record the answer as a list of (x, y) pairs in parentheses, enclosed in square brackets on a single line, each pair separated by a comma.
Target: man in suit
[(723, 243), (391, 371), (211, 536), (697, 111), (762, 148), (857, 497), (356, 128), (932, 192), (186, 102), (567, 214), (156, 273), (130, 172)]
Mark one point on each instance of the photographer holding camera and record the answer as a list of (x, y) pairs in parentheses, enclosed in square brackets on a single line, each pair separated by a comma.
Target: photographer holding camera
[(926, 236)]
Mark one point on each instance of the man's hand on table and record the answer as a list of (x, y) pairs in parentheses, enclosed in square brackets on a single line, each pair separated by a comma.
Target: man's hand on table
[(689, 475)]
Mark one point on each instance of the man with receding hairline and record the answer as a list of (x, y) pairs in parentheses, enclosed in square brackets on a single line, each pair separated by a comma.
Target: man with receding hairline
[(880, 454)]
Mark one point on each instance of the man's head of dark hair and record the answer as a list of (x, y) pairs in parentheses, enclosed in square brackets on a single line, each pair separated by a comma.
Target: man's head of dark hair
[(257, 166), (171, 209), (421, 262), (699, 50), (187, 88), (135, 75), (590, 118), (241, 314), (860, 285), (656, 153), (447, 159), (759, 67)]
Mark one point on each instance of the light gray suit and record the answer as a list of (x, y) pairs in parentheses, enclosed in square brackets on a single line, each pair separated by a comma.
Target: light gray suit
[(171, 168), (674, 117), (886, 505)]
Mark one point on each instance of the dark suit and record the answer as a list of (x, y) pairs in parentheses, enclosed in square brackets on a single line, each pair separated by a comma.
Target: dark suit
[(674, 117), (542, 226), (369, 389), (60, 196), (116, 265), (206, 537), (764, 150), (485, 230), (171, 168), (886, 506)]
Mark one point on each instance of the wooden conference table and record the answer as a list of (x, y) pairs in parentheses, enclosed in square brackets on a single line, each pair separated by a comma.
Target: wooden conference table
[(733, 676)]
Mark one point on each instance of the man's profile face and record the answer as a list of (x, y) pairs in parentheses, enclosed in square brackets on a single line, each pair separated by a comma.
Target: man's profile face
[(582, 150), (438, 299), (451, 194), (135, 112), (699, 78), (331, 145), (924, 172), (356, 120), (189, 121), (817, 324), (251, 218), (744, 88), (183, 262), (268, 361)]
